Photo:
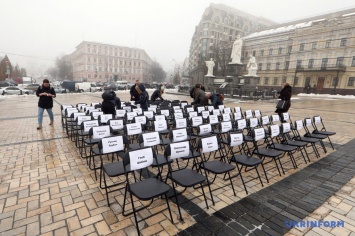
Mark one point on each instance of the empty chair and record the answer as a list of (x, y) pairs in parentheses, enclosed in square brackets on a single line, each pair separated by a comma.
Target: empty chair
[(117, 125), (132, 131), (319, 128), (104, 118)]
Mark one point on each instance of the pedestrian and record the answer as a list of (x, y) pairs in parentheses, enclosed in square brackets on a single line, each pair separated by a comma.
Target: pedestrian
[(110, 103), (158, 93), (143, 97), (215, 100), (134, 93), (46, 94), (200, 97), (285, 95), (314, 88)]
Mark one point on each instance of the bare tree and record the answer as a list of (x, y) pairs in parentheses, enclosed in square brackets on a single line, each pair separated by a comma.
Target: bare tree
[(158, 72)]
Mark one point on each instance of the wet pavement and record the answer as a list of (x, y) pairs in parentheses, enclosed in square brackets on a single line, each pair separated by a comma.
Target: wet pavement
[(47, 188)]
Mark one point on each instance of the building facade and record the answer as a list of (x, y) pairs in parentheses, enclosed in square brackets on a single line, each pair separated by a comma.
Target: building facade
[(98, 62), (215, 34), (316, 54)]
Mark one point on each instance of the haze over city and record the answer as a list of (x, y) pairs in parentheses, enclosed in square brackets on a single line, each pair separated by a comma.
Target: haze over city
[(34, 33)]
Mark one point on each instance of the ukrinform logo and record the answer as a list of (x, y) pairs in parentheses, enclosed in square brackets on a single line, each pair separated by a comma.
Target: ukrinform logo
[(314, 223)]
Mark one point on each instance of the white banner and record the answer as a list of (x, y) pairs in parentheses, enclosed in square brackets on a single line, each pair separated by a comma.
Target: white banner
[(205, 129), (104, 118), (116, 124), (112, 144), (180, 123), (259, 134), (134, 128), (236, 139), (209, 144), (226, 126), (99, 132), (275, 130), (179, 135), (160, 125), (141, 158), (179, 150), (151, 139), (89, 124)]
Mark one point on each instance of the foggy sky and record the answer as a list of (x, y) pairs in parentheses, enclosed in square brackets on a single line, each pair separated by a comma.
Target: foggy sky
[(44, 29)]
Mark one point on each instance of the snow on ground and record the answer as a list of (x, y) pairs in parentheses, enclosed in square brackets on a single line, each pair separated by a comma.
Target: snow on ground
[(328, 96)]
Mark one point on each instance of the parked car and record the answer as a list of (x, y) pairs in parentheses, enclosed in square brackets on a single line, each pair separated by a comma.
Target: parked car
[(95, 88), (33, 87), (110, 86), (60, 90), (14, 90), (6, 84)]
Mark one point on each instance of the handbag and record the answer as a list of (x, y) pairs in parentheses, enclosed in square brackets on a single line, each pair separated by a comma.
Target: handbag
[(281, 104)]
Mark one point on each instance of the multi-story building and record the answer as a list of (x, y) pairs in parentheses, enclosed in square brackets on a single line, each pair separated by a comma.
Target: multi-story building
[(217, 30), (99, 62), (315, 54)]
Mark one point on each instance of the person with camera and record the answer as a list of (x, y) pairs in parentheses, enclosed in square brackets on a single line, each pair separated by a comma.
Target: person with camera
[(110, 103), (285, 95), (46, 94)]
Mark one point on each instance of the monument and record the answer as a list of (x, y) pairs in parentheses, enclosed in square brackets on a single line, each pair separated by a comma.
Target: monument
[(237, 51), (252, 66), (209, 78)]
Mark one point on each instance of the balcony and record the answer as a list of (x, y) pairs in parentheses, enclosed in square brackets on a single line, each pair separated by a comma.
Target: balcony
[(327, 67)]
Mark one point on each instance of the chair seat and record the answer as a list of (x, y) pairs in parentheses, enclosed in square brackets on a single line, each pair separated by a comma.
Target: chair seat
[(284, 147), (296, 143), (115, 168), (308, 139), (98, 151), (318, 136), (134, 146), (328, 133), (187, 177), (269, 152), (218, 167), (246, 160), (92, 141), (148, 188)]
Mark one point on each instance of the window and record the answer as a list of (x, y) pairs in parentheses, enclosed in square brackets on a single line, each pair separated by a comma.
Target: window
[(89, 75), (89, 68), (258, 80), (295, 81), (307, 82), (343, 42), (289, 49), (335, 81), (88, 50), (276, 80), (280, 50), (302, 47), (287, 64), (310, 63), (327, 43), (260, 66), (266, 80), (324, 62), (340, 61), (353, 62), (277, 65), (268, 66), (284, 78), (299, 64), (351, 81), (314, 45), (262, 52), (270, 51)]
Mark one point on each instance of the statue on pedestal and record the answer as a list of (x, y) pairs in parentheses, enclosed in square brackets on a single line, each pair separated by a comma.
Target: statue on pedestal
[(210, 64), (252, 66), (236, 51)]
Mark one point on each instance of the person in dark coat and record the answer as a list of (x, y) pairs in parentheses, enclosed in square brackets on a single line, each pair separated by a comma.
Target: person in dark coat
[(110, 103), (285, 95), (134, 93), (215, 101), (46, 94), (143, 97), (200, 97), (157, 93)]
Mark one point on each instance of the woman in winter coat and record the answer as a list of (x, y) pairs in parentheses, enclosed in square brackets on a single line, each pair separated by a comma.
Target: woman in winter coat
[(200, 97), (285, 95), (157, 93), (143, 97)]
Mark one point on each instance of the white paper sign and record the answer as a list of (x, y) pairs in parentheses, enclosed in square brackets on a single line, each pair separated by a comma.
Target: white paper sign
[(81, 105), (178, 150), (131, 115), (104, 118), (138, 110), (275, 130), (152, 109), (308, 122), (209, 144), (192, 114), (64, 107), (120, 113), (183, 104), (165, 112), (149, 114), (179, 135), (226, 117), (248, 114), (83, 118), (237, 115), (178, 111), (153, 106), (205, 114), (286, 127), (96, 114), (189, 109), (76, 114), (180, 123), (265, 120), (127, 108), (134, 128), (94, 103), (112, 144), (89, 108), (151, 139), (227, 110), (71, 110), (178, 116), (176, 108), (299, 124), (216, 112), (257, 113), (141, 158), (275, 118), (237, 109), (141, 119), (259, 134), (101, 131), (226, 126), (242, 124), (286, 116), (89, 124), (196, 121), (253, 122), (317, 120), (236, 139), (205, 129), (213, 119), (221, 107), (159, 117), (210, 108), (199, 109), (160, 125), (116, 124)]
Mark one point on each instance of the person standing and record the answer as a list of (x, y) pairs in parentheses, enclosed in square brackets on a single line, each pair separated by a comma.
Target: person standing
[(134, 92), (110, 103), (143, 97), (158, 93), (46, 94), (285, 95), (200, 97)]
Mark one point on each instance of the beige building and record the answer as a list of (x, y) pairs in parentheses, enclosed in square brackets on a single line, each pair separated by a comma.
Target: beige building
[(314, 55), (217, 30), (98, 62)]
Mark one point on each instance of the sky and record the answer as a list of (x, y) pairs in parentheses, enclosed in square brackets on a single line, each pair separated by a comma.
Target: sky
[(34, 33)]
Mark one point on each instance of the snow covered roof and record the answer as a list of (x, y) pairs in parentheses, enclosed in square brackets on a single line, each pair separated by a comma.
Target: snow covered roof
[(279, 30)]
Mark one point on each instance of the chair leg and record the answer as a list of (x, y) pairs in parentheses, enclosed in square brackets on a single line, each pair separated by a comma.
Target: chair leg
[(257, 172)]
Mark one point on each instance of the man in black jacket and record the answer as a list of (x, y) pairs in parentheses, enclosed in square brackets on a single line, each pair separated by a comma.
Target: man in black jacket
[(46, 94)]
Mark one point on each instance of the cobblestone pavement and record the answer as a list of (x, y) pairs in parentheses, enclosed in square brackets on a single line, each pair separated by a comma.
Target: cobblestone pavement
[(47, 188)]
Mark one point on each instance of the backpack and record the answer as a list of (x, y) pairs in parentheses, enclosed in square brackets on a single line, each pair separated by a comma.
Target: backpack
[(108, 95), (220, 96)]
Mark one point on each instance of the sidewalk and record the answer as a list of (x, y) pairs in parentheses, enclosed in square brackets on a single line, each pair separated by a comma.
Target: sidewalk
[(47, 189)]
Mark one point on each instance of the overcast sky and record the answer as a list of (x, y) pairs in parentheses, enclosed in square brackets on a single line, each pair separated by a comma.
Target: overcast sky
[(41, 30)]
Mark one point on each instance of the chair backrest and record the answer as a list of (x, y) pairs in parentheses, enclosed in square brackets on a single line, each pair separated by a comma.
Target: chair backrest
[(227, 110), (274, 131), (165, 112), (112, 144), (265, 120), (210, 108), (99, 132), (275, 119), (237, 115), (177, 150), (183, 104), (159, 117), (308, 122), (177, 135), (221, 107), (298, 125), (196, 121), (258, 134), (226, 117), (127, 108), (205, 114), (237, 109), (235, 139), (285, 117), (81, 119), (253, 122), (160, 125), (120, 113), (116, 124), (204, 129), (180, 123), (208, 144), (95, 114), (178, 116), (63, 107), (285, 128), (76, 114), (257, 113), (140, 119), (80, 106), (241, 124), (130, 115), (104, 118), (216, 112), (213, 119), (87, 125), (189, 109), (200, 108), (133, 128), (149, 139), (225, 126), (248, 114), (70, 110), (139, 158), (149, 114), (192, 114)]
